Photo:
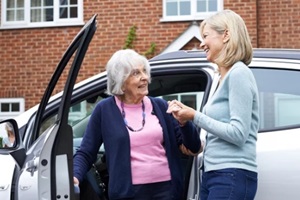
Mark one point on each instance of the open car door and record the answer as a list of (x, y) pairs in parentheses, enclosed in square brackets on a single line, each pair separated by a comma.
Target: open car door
[(46, 172)]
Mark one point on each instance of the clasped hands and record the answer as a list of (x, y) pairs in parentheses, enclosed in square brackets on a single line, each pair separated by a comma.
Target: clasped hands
[(183, 114), (180, 111)]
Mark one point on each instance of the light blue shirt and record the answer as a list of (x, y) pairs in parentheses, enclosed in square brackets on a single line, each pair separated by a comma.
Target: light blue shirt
[(6, 142), (231, 119)]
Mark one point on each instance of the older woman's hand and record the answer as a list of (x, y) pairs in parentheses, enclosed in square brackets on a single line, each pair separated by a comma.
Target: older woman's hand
[(188, 152), (180, 111), (75, 180)]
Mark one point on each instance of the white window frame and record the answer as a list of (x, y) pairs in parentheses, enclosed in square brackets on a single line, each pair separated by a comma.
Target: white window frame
[(194, 14), (27, 24), (6, 115)]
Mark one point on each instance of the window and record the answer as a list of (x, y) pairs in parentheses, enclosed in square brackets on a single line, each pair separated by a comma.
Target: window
[(41, 13), (77, 113), (279, 98), (191, 99), (182, 10), (11, 107)]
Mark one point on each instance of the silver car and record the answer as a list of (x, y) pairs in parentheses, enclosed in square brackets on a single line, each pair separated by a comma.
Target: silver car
[(39, 165)]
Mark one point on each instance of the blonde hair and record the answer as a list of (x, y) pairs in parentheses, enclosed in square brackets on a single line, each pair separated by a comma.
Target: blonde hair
[(9, 128), (238, 47)]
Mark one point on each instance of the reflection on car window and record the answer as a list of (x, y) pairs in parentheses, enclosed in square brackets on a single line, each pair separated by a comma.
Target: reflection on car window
[(279, 97), (81, 110), (77, 113), (191, 99)]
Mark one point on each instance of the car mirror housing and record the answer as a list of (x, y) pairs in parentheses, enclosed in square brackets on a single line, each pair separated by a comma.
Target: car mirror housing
[(10, 141)]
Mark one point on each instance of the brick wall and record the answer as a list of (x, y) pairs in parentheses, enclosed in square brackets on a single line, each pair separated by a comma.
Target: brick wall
[(28, 57), (279, 24)]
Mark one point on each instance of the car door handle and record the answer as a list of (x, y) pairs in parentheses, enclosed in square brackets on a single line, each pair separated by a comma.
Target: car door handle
[(32, 166), (3, 187)]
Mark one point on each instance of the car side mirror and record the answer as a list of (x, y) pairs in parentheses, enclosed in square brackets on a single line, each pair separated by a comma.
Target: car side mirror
[(10, 141), (7, 135)]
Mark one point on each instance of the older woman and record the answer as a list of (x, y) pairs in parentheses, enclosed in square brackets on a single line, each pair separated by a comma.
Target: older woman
[(141, 140)]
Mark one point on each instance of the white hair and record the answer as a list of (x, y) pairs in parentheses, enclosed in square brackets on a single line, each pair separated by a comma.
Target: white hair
[(120, 66)]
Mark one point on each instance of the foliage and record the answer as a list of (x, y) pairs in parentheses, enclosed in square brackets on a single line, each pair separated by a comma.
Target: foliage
[(131, 37), (151, 50)]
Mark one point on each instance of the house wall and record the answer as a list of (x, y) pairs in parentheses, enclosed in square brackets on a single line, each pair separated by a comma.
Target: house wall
[(28, 57)]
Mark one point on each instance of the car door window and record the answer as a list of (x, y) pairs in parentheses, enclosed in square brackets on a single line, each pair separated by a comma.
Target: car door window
[(77, 113), (279, 95), (191, 99)]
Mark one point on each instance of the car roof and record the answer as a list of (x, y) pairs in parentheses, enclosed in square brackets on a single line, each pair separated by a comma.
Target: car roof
[(293, 54), (277, 53)]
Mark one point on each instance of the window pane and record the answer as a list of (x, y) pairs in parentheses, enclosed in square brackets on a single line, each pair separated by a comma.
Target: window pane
[(185, 8), (35, 3), (279, 103), (201, 5), (15, 107), (20, 15), (10, 4), (170, 97), (288, 110), (81, 110), (212, 5), (172, 9), (189, 100), (47, 123), (35, 15), (4, 107), (20, 3), (63, 2), (48, 14), (63, 13), (74, 13), (73, 2), (10, 15), (76, 108), (48, 2)]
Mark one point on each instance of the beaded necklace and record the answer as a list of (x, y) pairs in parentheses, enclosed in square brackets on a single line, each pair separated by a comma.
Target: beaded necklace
[(125, 121)]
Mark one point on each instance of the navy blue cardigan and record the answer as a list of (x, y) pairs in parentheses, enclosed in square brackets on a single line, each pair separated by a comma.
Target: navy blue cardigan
[(106, 126)]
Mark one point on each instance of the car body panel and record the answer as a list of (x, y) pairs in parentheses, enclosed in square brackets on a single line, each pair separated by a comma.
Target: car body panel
[(277, 152), (7, 167)]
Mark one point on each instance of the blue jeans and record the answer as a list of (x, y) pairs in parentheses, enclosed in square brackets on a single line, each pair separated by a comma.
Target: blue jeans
[(228, 184)]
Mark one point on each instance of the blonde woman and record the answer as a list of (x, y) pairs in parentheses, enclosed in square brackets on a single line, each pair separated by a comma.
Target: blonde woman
[(231, 116), (10, 139)]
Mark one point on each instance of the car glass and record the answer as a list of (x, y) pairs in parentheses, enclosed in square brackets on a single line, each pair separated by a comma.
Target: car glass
[(77, 113), (279, 98)]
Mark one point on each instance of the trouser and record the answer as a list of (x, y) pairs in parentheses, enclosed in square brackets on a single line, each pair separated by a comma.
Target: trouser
[(152, 191), (228, 184)]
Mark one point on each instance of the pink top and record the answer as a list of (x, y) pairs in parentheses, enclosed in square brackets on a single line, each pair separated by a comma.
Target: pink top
[(149, 163)]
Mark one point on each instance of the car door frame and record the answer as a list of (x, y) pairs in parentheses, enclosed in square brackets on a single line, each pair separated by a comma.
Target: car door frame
[(57, 149)]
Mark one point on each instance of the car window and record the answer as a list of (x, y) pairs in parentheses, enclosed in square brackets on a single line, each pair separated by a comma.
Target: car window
[(191, 99), (279, 95), (77, 113)]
